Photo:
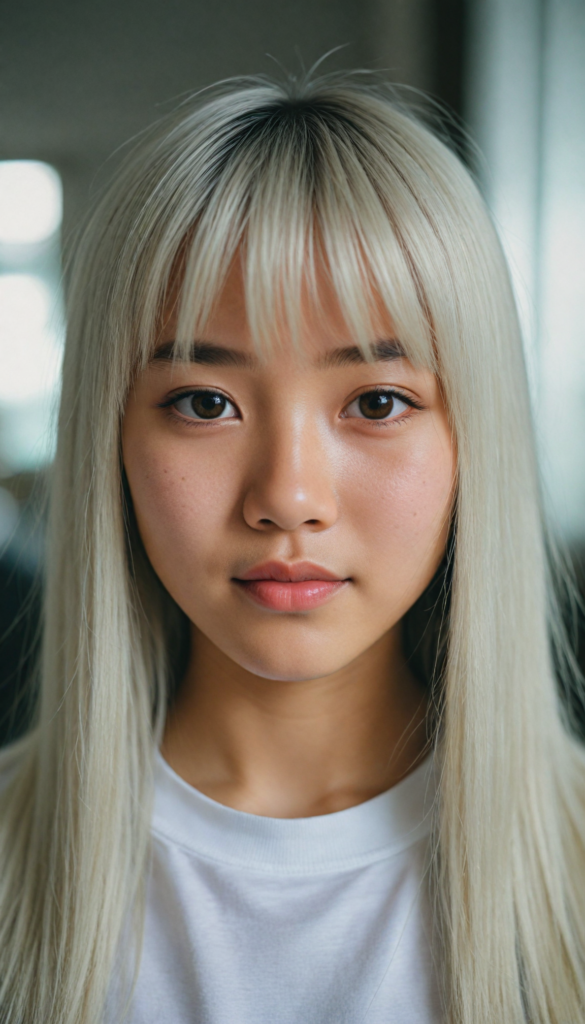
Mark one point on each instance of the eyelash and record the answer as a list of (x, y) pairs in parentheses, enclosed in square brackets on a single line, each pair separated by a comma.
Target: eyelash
[(386, 422), (169, 403)]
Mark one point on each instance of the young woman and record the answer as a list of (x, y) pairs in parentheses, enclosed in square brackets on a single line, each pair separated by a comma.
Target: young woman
[(298, 754)]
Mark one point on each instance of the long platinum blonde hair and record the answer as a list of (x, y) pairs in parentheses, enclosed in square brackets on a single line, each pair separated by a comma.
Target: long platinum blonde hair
[(334, 170)]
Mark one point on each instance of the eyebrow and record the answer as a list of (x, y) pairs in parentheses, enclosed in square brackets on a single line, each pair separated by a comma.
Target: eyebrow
[(382, 351), (208, 354)]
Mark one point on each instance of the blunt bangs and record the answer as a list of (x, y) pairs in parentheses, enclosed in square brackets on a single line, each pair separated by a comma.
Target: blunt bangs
[(285, 186)]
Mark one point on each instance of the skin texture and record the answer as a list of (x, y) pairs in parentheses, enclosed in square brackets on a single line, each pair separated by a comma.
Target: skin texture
[(291, 714)]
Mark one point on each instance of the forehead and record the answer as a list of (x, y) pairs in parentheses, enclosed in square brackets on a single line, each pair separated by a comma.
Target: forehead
[(324, 335)]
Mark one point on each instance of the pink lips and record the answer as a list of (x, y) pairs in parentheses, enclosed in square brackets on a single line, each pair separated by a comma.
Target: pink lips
[(298, 587)]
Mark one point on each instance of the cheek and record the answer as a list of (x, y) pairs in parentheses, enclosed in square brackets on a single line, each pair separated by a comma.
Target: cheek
[(178, 509), (401, 501)]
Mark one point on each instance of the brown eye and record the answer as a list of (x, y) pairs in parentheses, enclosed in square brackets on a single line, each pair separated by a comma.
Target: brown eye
[(376, 405), (205, 405)]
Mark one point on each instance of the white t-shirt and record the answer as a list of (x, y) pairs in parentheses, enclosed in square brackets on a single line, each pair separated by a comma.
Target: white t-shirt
[(255, 920)]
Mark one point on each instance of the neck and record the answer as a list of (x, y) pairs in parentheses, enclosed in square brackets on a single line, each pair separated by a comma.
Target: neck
[(296, 749)]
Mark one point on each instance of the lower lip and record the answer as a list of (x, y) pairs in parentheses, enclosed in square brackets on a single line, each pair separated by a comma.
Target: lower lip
[(291, 597)]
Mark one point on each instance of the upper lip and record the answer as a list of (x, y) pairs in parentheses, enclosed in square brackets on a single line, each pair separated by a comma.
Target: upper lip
[(293, 572)]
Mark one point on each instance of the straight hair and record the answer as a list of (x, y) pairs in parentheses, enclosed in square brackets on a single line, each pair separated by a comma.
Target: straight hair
[(282, 176)]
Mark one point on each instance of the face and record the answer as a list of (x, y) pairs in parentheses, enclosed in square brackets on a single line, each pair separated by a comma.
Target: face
[(295, 507)]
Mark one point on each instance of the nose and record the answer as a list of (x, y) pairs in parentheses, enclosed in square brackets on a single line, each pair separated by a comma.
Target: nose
[(291, 484)]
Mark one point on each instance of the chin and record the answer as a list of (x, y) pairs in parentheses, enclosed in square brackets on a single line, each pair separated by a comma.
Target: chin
[(292, 662)]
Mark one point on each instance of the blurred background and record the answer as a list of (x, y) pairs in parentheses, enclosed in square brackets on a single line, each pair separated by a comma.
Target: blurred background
[(78, 79)]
